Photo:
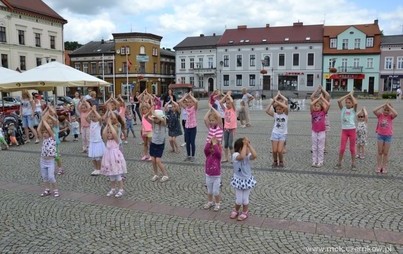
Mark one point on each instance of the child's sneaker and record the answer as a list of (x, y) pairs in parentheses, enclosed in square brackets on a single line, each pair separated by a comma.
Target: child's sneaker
[(216, 207), (96, 172), (164, 179), (119, 194), (111, 193), (378, 170), (314, 165), (56, 193), (384, 171), (155, 178), (208, 205), (338, 166), (353, 167), (243, 216), (144, 158), (319, 165), (60, 171)]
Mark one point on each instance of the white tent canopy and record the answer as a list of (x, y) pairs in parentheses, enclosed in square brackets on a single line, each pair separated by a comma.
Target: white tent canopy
[(53, 74), (7, 73)]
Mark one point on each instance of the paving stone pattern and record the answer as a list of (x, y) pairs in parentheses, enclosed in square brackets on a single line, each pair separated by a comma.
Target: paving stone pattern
[(296, 194)]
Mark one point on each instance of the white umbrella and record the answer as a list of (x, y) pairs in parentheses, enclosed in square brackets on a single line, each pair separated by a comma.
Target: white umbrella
[(49, 75), (7, 73)]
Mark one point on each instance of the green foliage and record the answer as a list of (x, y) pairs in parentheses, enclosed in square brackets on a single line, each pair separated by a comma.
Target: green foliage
[(71, 45), (391, 95)]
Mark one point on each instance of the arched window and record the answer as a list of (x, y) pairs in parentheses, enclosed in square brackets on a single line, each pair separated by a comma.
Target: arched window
[(142, 50)]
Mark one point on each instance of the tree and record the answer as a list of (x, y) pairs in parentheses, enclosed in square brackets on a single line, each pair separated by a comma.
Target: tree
[(71, 45)]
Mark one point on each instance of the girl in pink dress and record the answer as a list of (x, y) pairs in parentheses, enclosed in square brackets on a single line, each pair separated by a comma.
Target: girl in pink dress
[(113, 163), (385, 114)]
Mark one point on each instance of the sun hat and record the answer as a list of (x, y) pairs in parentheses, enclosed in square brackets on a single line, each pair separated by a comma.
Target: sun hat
[(159, 113)]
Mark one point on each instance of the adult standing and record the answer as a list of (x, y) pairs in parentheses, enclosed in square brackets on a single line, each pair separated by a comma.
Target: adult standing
[(136, 106), (169, 97), (94, 100), (38, 109), (27, 110), (246, 98), (399, 94)]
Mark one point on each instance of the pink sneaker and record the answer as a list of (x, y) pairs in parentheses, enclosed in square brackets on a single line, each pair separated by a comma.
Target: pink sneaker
[(243, 216), (144, 158), (378, 170), (233, 214)]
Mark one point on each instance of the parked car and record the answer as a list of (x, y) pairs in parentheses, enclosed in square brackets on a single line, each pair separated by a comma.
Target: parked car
[(11, 100), (61, 100)]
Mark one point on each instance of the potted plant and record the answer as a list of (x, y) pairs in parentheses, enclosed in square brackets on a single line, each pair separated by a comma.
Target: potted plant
[(332, 70), (263, 71)]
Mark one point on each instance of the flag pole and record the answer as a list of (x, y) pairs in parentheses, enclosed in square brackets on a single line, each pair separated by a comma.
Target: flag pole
[(114, 78), (127, 75), (103, 74)]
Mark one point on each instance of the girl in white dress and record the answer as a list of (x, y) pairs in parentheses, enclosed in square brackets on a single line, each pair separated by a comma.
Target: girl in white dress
[(96, 145)]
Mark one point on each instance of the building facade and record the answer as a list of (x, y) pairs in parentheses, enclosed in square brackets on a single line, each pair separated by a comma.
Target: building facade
[(271, 58), (31, 33), (391, 63), (196, 62), (351, 57)]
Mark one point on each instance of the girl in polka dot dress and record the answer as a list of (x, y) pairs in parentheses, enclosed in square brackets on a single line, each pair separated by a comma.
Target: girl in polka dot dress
[(242, 181)]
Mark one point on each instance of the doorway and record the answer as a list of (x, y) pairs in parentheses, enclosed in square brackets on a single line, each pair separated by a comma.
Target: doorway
[(210, 85), (143, 86), (371, 84), (267, 83)]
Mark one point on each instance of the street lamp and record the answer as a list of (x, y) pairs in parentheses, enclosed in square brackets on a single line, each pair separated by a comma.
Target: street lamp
[(220, 77)]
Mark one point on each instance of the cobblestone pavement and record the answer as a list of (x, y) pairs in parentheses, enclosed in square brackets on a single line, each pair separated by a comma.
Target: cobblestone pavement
[(168, 217)]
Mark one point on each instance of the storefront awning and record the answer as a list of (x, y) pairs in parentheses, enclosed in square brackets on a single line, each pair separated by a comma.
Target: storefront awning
[(347, 76)]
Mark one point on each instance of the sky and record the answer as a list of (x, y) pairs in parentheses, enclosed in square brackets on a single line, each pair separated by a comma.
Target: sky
[(174, 20)]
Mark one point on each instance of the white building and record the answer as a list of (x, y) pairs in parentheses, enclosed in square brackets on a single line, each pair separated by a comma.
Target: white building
[(31, 33)]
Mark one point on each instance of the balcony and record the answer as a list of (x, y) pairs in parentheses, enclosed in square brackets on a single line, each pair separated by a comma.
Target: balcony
[(204, 71), (349, 69)]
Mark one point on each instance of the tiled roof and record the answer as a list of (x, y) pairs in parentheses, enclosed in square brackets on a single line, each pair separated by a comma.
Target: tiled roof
[(165, 52), (371, 30), (392, 39), (298, 33), (201, 41), (95, 48), (34, 6)]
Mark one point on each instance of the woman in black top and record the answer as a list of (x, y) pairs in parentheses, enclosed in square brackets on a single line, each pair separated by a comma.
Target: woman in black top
[(169, 96)]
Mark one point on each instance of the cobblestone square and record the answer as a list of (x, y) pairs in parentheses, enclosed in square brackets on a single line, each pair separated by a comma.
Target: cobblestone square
[(298, 209)]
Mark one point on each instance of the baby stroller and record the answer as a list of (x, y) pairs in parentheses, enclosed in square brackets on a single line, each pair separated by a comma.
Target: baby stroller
[(294, 105), (19, 132)]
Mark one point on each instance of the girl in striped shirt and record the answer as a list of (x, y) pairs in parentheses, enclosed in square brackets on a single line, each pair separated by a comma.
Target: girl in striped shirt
[(212, 120)]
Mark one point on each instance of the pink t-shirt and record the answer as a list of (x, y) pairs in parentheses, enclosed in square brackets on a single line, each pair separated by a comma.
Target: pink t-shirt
[(157, 103), (83, 121), (122, 113), (230, 119), (318, 121), (385, 125), (217, 132), (145, 125), (191, 121)]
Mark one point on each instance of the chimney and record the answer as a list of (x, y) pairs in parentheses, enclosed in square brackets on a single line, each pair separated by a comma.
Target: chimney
[(242, 27), (213, 34), (201, 35), (102, 41), (298, 24), (376, 21), (267, 25)]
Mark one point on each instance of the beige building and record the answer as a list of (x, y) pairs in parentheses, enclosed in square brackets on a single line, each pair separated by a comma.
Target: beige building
[(31, 33)]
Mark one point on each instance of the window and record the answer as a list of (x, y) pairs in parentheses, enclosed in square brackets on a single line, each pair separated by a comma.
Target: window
[(210, 63), (311, 57), (252, 60), (226, 80), (4, 60), (21, 37), (3, 37), (238, 60), (52, 42), (226, 61), (155, 52), (201, 84), (23, 64), (333, 43), (357, 43), (125, 50), (252, 80), (192, 80), (370, 42), (356, 62), (331, 63), (142, 67), (345, 44), (388, 63), (400, 62), (101, 70), (200, 63), (85, 67), (370, 63), (77, 66), (281, 60), (295, 59), (183, 64), (309, 80), (38, 61), (142, 50), (239, 80), (37, 39), (192, 63), (266, 61), (183, 80), (344, 64), (93, 68)]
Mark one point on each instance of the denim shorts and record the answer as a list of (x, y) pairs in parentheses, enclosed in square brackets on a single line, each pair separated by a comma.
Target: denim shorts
[(27, 121), (385, 138), (278, 137)]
